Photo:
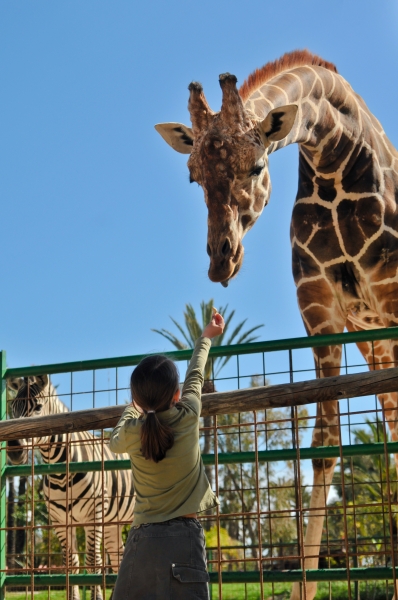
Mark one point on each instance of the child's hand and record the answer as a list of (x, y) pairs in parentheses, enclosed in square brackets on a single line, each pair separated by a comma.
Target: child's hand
[(215, 327)]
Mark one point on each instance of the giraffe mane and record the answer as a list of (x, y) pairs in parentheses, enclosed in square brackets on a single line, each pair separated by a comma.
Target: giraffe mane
[(297, 58)]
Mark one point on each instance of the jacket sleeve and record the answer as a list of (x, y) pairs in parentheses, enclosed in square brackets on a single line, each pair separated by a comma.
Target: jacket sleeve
[(192, 389), (121, 439)]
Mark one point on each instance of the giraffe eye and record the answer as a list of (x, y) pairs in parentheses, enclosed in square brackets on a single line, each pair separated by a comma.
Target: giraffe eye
[(256, 170)]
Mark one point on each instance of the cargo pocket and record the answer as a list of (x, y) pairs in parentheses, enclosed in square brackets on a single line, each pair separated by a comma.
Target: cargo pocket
[(189, 582)]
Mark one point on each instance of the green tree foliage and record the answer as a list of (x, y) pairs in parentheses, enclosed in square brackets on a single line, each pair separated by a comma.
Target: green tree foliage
[(367, 487), (268, 487)]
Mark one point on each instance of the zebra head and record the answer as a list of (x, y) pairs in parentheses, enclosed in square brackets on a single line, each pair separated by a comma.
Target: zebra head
[(32, 395)]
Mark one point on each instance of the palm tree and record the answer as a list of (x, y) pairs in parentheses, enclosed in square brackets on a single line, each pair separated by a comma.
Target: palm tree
[(192, 332)]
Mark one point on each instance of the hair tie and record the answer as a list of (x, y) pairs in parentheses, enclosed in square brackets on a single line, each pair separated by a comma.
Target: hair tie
[(150, 411)]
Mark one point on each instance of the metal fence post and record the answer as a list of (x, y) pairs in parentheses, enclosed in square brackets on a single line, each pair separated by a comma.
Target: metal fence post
[(3, 491)]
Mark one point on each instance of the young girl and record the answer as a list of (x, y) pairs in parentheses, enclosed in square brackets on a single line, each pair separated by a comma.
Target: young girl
[(165, 553)]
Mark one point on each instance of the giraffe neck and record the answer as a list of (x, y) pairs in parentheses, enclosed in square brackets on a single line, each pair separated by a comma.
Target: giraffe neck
[(332, 120), (344, 222)]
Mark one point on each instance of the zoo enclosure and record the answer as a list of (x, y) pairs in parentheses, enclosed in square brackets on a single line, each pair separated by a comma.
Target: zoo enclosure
[(259, 464)]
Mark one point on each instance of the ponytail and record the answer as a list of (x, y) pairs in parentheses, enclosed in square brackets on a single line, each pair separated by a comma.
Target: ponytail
[(156, 438), (153, 384)]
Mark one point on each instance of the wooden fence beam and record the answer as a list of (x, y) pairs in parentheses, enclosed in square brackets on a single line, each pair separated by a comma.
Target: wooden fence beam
[(217, 403)]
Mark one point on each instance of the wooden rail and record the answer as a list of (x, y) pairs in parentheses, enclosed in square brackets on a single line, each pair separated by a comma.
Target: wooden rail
[(218, 403)]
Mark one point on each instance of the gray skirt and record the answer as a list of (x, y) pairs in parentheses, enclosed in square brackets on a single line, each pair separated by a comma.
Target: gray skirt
[(162, 561)]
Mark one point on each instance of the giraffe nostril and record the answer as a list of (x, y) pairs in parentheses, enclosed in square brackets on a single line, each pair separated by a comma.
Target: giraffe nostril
[(208, 249), (226, 247)]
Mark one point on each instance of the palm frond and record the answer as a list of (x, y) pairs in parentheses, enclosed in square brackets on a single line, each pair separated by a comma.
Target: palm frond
[(181, 330), (171, 338), (191, 323), (193, 330), (245, 337)]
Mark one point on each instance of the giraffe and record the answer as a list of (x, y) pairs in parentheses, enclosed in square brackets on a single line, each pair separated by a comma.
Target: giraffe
[(344, 227)]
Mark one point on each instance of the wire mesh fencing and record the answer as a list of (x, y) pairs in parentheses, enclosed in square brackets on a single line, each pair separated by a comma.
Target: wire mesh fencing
[(68, 502)]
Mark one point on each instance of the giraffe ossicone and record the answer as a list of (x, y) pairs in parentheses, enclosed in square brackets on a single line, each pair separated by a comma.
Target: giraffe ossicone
[(344, 228)]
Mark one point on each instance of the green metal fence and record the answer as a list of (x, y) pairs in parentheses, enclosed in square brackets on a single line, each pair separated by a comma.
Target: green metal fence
[(247, 459)]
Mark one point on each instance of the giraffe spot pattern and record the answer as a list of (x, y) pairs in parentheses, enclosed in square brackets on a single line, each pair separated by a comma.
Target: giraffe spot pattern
[(306, 179), (388, 299), (344, 277), (334, 152), (381, 253), (307, 217), (325, 244), (315, 288), (362, 176), (303, 264), (326, 120), (358, 220), (322, 465), (326, 189)]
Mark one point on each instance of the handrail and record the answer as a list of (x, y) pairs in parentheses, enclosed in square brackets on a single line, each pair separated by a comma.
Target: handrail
[(217, 403), (223, 458), (215, 352)]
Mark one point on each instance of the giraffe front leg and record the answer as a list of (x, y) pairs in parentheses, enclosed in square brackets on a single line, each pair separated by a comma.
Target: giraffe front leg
[(322, 314), (389, 404), (326, 433), (381, 355), (94, 562), (323, 475)]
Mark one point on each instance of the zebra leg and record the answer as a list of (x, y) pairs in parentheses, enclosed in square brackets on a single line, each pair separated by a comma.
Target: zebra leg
[(70, 555), (114, 545), (93, 535)]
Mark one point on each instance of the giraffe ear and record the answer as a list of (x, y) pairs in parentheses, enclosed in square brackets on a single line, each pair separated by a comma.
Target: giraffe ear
[(278, 123), (177, 135)]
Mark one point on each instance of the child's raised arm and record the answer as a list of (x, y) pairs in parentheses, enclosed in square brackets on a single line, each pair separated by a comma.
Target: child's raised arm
[(192, 389), (215, 327)]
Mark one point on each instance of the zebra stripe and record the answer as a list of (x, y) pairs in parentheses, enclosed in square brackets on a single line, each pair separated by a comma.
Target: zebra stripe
[(76, 499)]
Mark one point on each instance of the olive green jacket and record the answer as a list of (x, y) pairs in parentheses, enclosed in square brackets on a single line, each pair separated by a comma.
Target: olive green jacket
[(177, 485)]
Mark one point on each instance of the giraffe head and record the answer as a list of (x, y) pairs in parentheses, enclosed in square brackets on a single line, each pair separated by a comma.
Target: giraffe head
[(229, 160)]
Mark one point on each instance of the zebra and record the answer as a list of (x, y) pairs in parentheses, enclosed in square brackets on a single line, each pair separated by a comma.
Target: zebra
[(85, 499)]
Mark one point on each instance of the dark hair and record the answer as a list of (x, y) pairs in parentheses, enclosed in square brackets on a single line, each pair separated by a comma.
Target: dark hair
[(153, 384)]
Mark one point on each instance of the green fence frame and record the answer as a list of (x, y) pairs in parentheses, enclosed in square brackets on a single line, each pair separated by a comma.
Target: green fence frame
[(318, 575)]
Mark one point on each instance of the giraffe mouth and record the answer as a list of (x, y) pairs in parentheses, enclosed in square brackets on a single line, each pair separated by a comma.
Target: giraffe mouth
[(227, 270), (225, 283)]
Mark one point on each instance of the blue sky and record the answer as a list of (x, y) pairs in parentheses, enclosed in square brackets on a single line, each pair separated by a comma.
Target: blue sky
[(102, 235)]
